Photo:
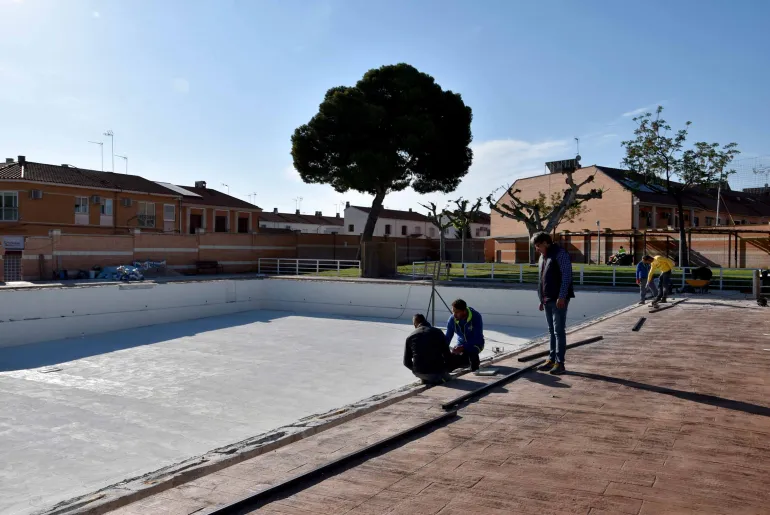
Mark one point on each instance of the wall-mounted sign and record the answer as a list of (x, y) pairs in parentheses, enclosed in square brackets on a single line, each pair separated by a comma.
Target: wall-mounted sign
[(13, 242)]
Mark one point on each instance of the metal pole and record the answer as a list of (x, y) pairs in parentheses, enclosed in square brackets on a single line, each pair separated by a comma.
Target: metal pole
[(493, 269), (279, 266), (598, 243), (721, 271), (521, 273), (433, 300), (719, 195), (582, 269), (259, 265), (613, 275), (317, 266)]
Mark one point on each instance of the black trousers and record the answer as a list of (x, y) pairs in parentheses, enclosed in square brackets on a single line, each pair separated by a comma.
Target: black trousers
[(464, 360)]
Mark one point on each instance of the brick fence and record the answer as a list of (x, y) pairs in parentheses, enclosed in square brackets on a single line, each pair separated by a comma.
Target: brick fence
[(43, 255)]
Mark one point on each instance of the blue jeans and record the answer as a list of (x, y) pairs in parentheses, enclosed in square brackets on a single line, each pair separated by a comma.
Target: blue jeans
[(664, 283), (557, 320)]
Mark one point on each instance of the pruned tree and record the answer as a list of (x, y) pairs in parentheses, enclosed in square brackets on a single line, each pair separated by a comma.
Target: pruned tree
[(657, 157), (442, 223), (461, 217), (396, 128), (542, 214)]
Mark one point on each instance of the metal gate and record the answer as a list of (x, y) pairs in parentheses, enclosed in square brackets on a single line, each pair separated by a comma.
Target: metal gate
[(12, 266)]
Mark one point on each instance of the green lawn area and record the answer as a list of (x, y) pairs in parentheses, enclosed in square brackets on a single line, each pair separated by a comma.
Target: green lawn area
[(595, 275)]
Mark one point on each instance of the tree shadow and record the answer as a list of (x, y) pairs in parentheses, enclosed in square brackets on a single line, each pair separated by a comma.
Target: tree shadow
[(545, 379), (710, 400)]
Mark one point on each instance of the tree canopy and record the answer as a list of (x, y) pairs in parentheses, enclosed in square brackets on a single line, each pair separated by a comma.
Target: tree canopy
[(396, 128), (658, 157)]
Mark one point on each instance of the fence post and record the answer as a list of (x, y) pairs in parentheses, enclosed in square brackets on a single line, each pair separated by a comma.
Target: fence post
[(683, 276), (465, 270), (582, 268), (521, 272), (721, 270), (278, 271), (317, 266), (413, 270), (259, 266), (296, 267), (613, 275), (338, 268), (493, 270), (755, 284)]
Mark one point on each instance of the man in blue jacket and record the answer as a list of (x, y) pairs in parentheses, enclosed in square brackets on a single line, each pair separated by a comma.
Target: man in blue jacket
[(642, 271), (467, 324)]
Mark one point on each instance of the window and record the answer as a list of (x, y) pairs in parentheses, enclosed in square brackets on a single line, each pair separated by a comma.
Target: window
[(403, 230), (220, 223), (417, 230), (387, 228), (697, 221), (478, 231), (81, 205), (169, 213), (351, 228), (106, 207), (709, 221), (9, 204), (146, 214), (243, 225), (432, 232)]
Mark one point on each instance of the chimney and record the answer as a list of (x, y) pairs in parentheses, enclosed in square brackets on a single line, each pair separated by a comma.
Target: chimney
[(318, 213), (347, 205), (410, 209), (8, 160), (338, 215), (296, 212), (275, 210), (200, 184), (22, 162)]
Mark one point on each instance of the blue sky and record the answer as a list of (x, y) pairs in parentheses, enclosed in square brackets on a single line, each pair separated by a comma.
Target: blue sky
[(212, 90)]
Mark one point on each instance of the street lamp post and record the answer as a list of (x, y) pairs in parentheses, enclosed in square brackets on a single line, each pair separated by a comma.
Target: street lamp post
[(124, 158), (598, 243), (111, 135), (101, 147)]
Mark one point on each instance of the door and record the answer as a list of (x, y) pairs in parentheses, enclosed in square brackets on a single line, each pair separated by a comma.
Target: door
[(196, 222), (12, 266)]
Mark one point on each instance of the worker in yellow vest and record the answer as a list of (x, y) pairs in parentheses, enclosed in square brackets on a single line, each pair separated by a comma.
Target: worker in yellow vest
[(665, 266)]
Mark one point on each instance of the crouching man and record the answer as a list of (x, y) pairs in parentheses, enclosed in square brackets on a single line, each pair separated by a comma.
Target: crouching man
[(467, 324), (426, 352)]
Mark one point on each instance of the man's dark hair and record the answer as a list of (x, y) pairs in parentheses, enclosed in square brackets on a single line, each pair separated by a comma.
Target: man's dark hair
[(647, 258), (541, 237), (460, 304), (419, 319)]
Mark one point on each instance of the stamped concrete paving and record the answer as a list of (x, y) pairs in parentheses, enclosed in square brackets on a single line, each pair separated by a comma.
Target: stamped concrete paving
[(81, 414), (674, 419)]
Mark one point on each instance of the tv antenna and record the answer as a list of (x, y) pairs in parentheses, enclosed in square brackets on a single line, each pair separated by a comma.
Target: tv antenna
[(577, 142), (298, 203)]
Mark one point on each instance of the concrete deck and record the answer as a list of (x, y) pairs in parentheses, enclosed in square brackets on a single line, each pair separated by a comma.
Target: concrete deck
[(673, 419), (82, 414)]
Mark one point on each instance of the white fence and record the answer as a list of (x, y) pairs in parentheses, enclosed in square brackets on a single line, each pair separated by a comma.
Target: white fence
[(332, 267), (723, 278)]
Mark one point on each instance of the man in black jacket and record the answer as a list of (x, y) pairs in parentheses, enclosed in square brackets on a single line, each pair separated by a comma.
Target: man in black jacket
[(426, 352), (554, 288)]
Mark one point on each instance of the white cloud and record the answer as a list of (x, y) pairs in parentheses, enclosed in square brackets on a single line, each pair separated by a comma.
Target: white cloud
[(646, 109), (180, 85), (290, 173), (96, 14)]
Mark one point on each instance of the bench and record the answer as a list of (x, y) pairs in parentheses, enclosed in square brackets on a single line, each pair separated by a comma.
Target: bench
[(208, 265)]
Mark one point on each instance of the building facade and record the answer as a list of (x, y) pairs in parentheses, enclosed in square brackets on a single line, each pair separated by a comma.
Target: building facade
[(391, 222), (296, 222)]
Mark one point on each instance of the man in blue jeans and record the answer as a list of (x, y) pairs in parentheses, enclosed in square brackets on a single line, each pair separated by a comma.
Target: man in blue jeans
[(554, 288)]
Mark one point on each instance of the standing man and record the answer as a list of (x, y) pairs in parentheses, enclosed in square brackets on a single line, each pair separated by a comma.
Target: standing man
[(426, 352), (467, 324), (664, 266), (642, 271), (554, 287)]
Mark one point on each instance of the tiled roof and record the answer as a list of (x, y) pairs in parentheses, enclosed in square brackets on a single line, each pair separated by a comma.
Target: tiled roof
[(210, 197), (72, 176), (293, 218), (395, 214)]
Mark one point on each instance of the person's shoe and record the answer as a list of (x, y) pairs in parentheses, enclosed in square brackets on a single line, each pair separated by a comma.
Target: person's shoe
[(548, 365), (558, 369), (642, 302), (664, 301), (654, 305)]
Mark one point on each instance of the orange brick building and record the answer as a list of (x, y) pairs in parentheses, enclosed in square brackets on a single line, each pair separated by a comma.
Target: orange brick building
[(38, 199), (623, 210)]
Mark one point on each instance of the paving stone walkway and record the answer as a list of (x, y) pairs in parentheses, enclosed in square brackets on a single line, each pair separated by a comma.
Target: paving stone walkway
[(673, 419)]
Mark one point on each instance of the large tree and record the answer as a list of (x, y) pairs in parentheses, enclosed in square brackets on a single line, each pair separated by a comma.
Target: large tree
[(657, 157), (394, 129), (543, 214)]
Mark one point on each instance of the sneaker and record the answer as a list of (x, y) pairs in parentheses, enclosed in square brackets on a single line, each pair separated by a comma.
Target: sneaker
[(642, 302), (654, 305), (664, 301), (548, 365), (558, 369)]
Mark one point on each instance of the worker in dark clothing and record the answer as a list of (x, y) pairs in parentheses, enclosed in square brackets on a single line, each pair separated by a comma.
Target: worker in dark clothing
[(466, 322), (426, 352)]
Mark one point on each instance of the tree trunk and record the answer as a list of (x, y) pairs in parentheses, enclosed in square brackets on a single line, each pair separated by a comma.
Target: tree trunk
[(462, 250), (683, 254), (441, 248), (374, 214)]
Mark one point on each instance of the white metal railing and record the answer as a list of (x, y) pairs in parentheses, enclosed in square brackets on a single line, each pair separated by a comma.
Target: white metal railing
[(332, 267), (597, 275)]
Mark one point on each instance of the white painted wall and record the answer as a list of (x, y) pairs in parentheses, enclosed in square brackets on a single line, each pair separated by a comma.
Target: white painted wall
[(357, 218), (35, 315), (477, 230), (307, 228)]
